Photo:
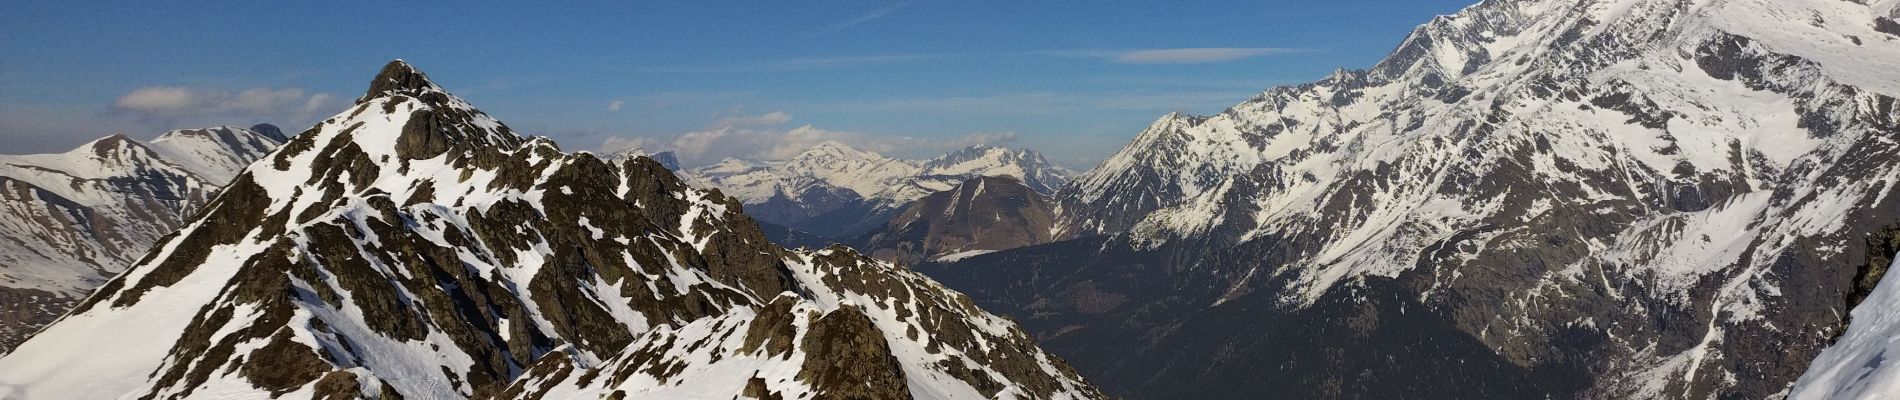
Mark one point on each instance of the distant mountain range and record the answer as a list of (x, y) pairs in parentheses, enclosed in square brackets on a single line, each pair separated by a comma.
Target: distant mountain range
[(833, 190), (76, 219)]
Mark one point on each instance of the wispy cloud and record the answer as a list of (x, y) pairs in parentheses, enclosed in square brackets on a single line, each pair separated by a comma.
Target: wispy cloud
[(1198, 55), (866, 17), (815, 63), (175, 102), (1202, 55), (1195, 82), (1047, 103), (616, 105)]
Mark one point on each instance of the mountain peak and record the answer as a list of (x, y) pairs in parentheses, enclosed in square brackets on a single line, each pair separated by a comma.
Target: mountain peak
[(831, 146), (400, 77), (834, 150), (109, 144), (978, 149), (270, 131), (115, 139), (433, 121)]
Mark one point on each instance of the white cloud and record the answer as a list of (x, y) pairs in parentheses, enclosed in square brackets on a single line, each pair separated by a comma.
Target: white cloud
[(809, 63), (768, 137), (179, 102), (1195, 55), (866, 17), (616, 105), (157, 100)]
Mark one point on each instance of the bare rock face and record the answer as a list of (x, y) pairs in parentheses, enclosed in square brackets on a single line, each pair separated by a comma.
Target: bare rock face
[(1526, 199), (849, 360), (981, 215), (377, 256)]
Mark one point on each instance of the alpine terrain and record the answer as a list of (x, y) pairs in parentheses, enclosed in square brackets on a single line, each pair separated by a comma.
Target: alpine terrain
[(833, 190), (982, 215), (1856, 366), (76, 219), (1526, 199), (414, 247)]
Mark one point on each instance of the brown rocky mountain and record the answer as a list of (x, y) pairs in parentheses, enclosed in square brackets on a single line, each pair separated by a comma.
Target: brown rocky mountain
[(980, 215)]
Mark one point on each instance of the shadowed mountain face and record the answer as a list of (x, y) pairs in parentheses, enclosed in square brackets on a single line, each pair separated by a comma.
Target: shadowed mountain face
[(75, 219), (414, 247), (1535, 198), (981, 215)]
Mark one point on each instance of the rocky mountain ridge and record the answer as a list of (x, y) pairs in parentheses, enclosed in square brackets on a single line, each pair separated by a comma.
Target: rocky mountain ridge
[(1543, 198), (415, 247)]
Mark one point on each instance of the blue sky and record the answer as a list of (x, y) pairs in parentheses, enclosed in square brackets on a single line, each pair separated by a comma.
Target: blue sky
[(1073, 79)]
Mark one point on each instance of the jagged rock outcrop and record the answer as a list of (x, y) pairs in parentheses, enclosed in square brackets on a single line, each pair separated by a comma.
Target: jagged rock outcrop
[(414, 247)]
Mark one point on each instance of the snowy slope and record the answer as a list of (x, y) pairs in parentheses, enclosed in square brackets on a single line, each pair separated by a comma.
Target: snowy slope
[(215, 153), (77, 218), (859, 311), (1633, 198), (415, 247), (1857, 365)]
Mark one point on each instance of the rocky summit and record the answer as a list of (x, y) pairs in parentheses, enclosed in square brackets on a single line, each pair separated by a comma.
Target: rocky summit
[(415, 247), (1526, 199)]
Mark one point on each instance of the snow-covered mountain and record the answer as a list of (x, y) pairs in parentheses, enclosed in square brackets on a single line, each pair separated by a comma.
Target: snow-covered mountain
[(414, 247), (1027, 166), (833, 189), (75, 219), (1526, 199), (983, 214)]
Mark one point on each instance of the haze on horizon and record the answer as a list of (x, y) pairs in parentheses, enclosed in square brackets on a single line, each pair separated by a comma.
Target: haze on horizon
[(756, 80)]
